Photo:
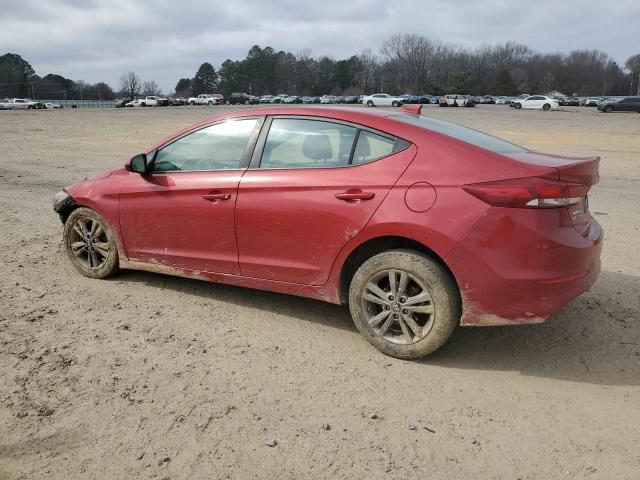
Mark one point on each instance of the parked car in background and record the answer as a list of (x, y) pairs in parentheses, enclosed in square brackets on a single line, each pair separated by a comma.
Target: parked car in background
[(513, 100), (413, 260), (240, 98), (121, 102), (325, 99), (382, 100), (266, 98), (148, 101), (501, 100), (629, 104), (539, 102), (205, 99), (19, 104), (292, 99), (279, 98), (309, 99), (52, 106), (453, 100), (592, 101), (177, 101)]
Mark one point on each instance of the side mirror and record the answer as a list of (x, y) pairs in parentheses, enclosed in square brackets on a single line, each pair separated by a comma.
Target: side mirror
[(138, 163)]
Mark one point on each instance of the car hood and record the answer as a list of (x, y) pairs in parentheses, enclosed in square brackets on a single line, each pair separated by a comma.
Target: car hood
[(101, 175)]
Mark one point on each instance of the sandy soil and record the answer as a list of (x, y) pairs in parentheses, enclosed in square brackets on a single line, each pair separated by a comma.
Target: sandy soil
[(147, 376)]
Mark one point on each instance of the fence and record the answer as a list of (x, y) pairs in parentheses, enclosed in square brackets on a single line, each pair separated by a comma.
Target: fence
[(83, 103)]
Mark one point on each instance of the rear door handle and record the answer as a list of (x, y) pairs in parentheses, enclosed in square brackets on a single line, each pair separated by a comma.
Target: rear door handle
[(216, 196), (355, 195)]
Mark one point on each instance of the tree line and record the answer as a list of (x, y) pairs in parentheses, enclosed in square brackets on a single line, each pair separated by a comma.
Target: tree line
[(405, 63), (414, 64), (19, 79)]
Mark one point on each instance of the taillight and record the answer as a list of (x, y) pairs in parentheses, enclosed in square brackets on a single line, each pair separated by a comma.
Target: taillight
[(530, 192)]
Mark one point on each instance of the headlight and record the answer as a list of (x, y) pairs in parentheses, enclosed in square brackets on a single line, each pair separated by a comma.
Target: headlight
[(58, 198)]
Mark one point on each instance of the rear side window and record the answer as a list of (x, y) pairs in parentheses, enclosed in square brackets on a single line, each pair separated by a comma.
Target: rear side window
[(464, 134), (300, 143), (371, 146)]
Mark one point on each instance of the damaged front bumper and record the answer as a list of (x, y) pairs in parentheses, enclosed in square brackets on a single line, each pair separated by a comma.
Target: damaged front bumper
[(63, 204)]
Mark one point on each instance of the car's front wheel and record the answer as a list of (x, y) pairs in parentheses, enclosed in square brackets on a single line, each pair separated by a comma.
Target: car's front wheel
[(369, 103), (90, 244), (404, 303), (518, 106), (608, 109), (546, 106), (394, 104)]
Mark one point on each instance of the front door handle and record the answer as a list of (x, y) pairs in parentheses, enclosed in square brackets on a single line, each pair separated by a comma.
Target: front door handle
[(354, 195), (216, 196)]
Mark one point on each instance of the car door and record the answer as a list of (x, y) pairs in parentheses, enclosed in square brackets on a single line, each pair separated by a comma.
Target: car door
[(181, 213), (313, 185)]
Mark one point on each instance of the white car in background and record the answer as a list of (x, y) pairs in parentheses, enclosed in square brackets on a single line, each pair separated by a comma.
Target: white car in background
[(17, 104), (537, 102), (204, 99), (382, 100)]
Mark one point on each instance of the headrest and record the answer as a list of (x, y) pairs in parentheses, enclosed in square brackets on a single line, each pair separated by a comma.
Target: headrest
[(317, 146)]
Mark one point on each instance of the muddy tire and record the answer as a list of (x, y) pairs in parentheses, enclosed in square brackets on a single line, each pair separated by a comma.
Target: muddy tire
[(90, 244), (404, 303)]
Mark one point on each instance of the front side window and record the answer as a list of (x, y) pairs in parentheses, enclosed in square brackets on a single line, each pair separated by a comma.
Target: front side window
[(217, 147), (301, 143)]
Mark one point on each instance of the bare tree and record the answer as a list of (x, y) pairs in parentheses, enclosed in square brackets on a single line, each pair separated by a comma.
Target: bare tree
[(150, 87), (633, 65), (130, 84)]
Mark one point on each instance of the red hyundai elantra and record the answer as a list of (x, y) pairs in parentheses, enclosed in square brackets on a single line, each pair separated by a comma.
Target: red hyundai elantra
[(419, 225)]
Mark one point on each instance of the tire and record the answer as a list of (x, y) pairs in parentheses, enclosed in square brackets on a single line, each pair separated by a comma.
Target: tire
[(426, 278), (370, 103), (192, 103), (394, 104), (608, 109), (517, 106), (246, 102), (101, 264), (143, 104), (546, 107), (210, 102)]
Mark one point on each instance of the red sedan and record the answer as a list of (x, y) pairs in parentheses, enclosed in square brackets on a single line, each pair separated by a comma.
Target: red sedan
[(419, 225)]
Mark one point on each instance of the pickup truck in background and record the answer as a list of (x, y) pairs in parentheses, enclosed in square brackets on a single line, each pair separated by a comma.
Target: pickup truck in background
[(17, 104), (205, 99), (148, 101)]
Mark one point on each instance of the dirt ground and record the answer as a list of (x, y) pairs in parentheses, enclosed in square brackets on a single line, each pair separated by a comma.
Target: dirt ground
[(148, 376)]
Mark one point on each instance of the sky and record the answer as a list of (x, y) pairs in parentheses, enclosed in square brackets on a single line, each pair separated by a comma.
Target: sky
[(165, 40)]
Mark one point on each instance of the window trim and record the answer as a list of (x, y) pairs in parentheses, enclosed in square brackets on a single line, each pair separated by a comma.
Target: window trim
[(246, 154), (400, 144)]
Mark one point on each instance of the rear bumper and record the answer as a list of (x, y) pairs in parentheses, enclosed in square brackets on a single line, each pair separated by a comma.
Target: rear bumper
[(512, 268)]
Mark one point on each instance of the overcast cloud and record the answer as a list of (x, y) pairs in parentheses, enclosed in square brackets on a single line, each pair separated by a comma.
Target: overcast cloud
[(164, 40)]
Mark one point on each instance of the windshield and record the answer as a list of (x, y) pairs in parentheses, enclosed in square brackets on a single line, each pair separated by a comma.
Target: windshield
[(464, 134)]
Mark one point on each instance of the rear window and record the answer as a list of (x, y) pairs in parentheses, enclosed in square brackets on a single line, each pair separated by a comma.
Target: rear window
[(464, 134)]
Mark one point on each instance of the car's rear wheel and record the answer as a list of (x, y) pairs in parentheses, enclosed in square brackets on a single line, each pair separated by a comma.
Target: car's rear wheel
[(546, 106), (518, 106), (192, 103), (370, 103), (90, 244), (394, 104), (608, 109), (404, 303)]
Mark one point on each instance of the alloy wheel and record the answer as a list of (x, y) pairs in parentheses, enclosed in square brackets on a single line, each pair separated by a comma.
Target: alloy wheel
[(398, 307), (88, 243)]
